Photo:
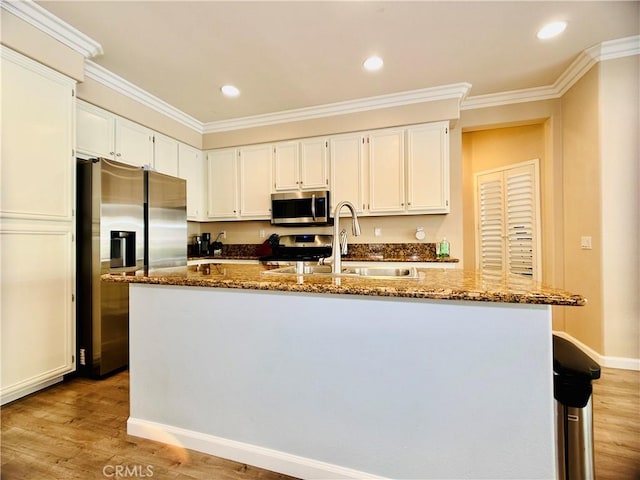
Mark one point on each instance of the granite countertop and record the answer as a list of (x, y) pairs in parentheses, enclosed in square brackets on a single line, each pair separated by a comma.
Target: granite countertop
[(434, 283)]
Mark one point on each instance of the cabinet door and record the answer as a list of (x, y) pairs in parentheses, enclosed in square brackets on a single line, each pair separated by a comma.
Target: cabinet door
[(428, 168), (37, 224), (314, 173), (38, 166), (134, 143), (386, 171), (95, 132), (286, 160), (255, 182), (347, 162), (223, 184), (38, 339), (165, 155), (191, 168)]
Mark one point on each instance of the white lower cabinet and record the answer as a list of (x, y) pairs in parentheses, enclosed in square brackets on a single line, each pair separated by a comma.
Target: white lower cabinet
[(38, 318), (37, 225), (240, 183)]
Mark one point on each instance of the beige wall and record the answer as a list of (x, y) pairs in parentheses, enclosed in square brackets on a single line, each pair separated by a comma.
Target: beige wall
[(104, 97), (582, 208), (353, 122), (619, 105), (31, 42), (490, 149)]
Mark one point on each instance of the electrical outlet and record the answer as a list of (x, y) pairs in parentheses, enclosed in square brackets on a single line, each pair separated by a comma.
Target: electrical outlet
[(585, 243), (377, 232), (262, 233), (223, 234)]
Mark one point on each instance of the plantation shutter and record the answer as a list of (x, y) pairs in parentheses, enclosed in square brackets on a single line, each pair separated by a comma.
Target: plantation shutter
[(507, 206)]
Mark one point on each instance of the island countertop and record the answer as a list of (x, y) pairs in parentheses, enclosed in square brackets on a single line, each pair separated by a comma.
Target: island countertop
[(439, 284)]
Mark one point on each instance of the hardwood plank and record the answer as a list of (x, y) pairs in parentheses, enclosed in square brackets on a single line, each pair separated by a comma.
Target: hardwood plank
[(76, 429), (616, 425)]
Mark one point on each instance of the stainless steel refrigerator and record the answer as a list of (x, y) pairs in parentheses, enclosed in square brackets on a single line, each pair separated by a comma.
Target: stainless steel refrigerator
[(129, 221)]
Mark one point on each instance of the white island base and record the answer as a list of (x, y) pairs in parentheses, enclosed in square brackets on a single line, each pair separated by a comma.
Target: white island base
[(343, 386)]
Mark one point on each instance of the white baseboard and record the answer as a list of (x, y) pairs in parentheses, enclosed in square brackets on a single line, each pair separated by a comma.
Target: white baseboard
[(622, 363), (261, 457), (24, 390)]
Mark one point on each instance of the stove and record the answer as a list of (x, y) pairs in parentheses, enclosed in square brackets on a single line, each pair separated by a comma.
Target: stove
[(301, 247)]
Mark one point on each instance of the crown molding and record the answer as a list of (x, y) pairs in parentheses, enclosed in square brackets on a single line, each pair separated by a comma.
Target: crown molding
[(35, 15), (454, 91), (609, 50), (111, 80), (43, 20)]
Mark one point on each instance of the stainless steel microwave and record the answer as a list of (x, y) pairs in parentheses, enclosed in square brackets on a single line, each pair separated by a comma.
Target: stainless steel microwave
[(300, 208)]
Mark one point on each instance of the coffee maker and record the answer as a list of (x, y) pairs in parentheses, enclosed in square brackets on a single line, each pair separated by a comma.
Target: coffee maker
[(206, 244)]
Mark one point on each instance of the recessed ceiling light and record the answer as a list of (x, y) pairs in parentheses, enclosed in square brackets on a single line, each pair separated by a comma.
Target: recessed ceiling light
[(373, 63), (230, 91), (550, 30)]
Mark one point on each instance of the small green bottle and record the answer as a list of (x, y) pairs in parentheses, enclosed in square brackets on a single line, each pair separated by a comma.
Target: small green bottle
[(443, 249)]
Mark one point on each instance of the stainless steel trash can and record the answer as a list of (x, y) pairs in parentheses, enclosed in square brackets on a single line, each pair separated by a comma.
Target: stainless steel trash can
[(573, 373)]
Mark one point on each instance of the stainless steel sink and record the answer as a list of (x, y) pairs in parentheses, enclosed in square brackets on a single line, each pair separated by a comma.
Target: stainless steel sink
[(368, 272), (385, 272), (303, 270)]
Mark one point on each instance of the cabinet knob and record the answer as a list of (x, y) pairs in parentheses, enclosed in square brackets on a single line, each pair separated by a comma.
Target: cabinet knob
[(112, 153), (118, 155)]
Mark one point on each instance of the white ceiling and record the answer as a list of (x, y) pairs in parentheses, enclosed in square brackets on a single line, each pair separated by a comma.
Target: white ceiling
[(297, 54)]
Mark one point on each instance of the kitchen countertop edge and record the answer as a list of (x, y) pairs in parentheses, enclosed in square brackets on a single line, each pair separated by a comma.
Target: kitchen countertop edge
[(434, 284)]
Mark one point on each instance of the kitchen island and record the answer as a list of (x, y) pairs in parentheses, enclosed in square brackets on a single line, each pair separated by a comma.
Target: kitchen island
[(444, 376)]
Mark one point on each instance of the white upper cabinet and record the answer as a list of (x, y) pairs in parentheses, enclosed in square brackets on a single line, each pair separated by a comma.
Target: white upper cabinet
[(134, 143), (286, 166), (347, 158), (240, 183), (255, 182), (191, 167), (428, 168), (223, 184), (165, 155), (314, 174), (95, 132), (103, 134), (386, 172), (38, 165), (300, 165)]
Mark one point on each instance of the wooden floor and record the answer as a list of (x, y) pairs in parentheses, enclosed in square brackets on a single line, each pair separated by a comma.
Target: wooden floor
[(77, 430), (616, 425)]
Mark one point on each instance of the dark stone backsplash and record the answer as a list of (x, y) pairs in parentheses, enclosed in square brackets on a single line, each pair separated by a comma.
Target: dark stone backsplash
[(389, 252)]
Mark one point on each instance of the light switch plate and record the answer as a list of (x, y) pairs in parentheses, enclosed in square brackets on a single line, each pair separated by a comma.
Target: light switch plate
[(585, 243)]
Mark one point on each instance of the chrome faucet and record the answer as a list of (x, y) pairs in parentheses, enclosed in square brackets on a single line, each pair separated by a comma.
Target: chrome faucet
[(336, 250)]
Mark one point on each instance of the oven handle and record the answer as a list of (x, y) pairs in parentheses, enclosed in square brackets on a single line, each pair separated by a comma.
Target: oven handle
[(313, 206)]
